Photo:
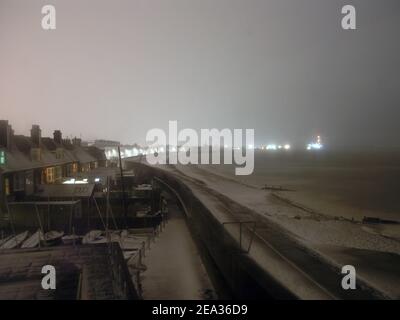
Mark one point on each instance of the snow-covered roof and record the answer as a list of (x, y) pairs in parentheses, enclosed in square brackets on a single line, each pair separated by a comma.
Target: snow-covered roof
[(18, 156)]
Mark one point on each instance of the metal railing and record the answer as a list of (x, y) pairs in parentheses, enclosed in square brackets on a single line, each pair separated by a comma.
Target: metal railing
[(252, 232)]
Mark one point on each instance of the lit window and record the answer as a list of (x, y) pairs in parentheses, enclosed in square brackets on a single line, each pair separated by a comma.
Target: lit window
[(50, 175), (2, 158)]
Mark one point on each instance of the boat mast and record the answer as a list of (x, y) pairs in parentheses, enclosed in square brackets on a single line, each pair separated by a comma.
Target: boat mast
[(123, 187)]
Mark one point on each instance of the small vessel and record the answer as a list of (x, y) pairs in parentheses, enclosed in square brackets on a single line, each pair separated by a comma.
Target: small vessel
[(5, 239), (51, 238), (91, 236), (15, 241), (32, 241), (72, 239)]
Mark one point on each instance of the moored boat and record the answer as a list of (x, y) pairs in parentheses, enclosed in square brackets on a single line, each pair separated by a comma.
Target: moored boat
[(32, 241), (51, 238), (91, 236), (4, 240), (15, 241)]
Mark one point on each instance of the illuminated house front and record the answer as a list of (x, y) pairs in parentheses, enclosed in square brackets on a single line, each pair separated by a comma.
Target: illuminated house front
[(28, 162)]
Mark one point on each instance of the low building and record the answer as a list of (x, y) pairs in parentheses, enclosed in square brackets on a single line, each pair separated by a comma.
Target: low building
[(28, 162)]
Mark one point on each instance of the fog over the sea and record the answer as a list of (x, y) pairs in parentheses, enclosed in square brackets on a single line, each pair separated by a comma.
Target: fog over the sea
[(115, 69)]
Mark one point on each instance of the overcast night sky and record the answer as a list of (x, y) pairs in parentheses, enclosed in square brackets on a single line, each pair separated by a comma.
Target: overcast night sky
[(115, 69)]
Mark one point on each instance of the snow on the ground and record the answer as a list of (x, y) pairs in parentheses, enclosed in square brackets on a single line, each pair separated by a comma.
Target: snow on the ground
[(313, 229)]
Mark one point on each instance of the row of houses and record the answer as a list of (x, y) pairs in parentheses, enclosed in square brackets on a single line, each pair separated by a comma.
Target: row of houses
[(28, 162)]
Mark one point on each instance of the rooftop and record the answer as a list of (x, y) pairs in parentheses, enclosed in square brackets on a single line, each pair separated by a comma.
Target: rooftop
[(18, 156)]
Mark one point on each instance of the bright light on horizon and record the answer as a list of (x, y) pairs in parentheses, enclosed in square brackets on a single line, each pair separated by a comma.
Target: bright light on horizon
[(315, 145)]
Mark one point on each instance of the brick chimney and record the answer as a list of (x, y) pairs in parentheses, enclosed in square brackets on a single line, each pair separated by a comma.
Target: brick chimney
[(6, 133), (57, 136), (36, 135)]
